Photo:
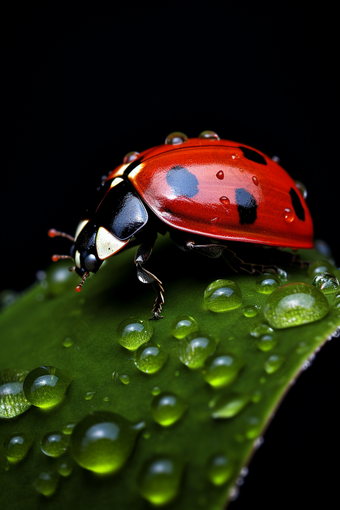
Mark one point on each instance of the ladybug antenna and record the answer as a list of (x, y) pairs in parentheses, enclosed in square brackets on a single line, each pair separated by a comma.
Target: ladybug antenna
[(55, 258), (85, 276), (55, 233)]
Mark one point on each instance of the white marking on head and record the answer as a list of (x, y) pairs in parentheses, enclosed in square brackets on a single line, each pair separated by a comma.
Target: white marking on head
[(116, 181), (80, 228), (77, 259), (107, 244)]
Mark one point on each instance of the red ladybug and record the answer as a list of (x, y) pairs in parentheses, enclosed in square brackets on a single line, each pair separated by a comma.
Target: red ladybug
[(204, 186)]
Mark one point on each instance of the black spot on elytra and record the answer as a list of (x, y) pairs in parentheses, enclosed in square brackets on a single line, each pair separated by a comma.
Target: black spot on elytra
[(246, 206), (298, 208), (182, 182), (253, 155)]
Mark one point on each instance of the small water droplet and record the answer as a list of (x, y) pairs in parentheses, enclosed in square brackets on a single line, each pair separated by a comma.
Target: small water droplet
[(130, 156), (302, 348), (89, 395), (260, 330), (240, 481), (266, 283), (222, 296), (150, 357), (258, 442), (195, 348), (228, 406), (46, 483), (46, 386), (326, 282), (288, 215), (160, 479), (182, 326), (146, 434), (244, 472), (224, 200), (276, 159), (125, 379), (68, 428), (176, 138), (17, 445), (302, 188), (167, 408), (134, 332), (273, 363), (255, 180), (54, 444), (250, 311), (209, 135), (235, 156), (266, 343), (67, 342), (253, 427), (106, 399), (234, 493), (12, 398), (65, 466), (222, 370), (257, 396), (156, 390), (220, 175), (103, 441), (219, 469), (294, 304)]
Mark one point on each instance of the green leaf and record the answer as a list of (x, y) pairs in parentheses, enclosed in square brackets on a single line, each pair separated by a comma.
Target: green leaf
[(197, 419)]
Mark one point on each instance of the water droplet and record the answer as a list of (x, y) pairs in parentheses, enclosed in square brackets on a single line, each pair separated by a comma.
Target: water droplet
[(67, 342), (130, 156), (103, 441), (253, 427), (150, 358), (89, 395), (282, 274), (160, 479), (260, 330), (58, 277), (228, 406), (106, 399), (176, 138), (219, 469), (273, 363), (146, 434), (167, 408), (266, 342), (12, 398), (244, 472), (7, 298), (222, 296), (46, 483), (288, 215), (326, 282), (195, 348), (68, 428), (235, 156), (133, 332), (220, 175), (125, 379), (294, 304), (257, 396), (266, 283), (222, 370), (258, 442), (155, 390), (17, 445), (54, 444), (182, 326), (45, 386), (234, 493), (209, 135), (302, 188), (250, 311), (65, 466), (255, 180), (224, 200)]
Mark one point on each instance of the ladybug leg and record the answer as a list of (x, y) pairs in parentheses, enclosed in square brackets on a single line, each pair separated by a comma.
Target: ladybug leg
[(144, 276)]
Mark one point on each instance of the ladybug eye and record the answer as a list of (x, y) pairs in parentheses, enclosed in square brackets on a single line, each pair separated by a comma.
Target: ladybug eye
[(176, 138), (72, 251), (130, 156), (90, 262), (209, 135)]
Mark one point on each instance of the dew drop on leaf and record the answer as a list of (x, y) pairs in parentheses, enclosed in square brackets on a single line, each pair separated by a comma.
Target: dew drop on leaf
[(150, 357), (319, 266), (221, 370), (182, 326), (326, 282), (195, 348), (266, 342), (273, 363), (46, 483), (229, 405), (219, 469), (222, 296), (17, 445), (134, 332), (54, 444), (266, 283), (12, 398), (250, 311), (167, 408), (45, 386), (160, 479), (65, 466)]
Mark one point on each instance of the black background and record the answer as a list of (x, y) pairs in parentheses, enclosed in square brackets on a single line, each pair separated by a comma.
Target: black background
[(85, 86)]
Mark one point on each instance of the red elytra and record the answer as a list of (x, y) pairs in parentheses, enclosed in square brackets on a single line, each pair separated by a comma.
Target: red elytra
[(223, 190)]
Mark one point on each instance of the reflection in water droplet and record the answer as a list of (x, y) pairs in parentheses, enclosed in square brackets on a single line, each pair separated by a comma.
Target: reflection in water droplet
[(150, 357), (68, 428), (302, 188), (320, 266), (273, 363), (228, 406), (219, 469), (12, 398), (195, 348), (134, 332), (17, 445), (125, 379), (46, 483), (266, 283), (103, 441), (106, 399), (221, 370), (288, 215), (222, 296), (130, 156), (266, 343), (156, 390), (326, 282), (250, 311), (282, 274), (294, 304), (54, 444), (255, 180), (67, 342), (182, 326), (224, 200), (209, 135), (167, 408), (220, 175), (176, 138), (160, 479), (65, 466), (45, 386)]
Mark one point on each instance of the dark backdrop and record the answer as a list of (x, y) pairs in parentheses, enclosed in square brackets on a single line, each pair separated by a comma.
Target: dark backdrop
[(84, 87)]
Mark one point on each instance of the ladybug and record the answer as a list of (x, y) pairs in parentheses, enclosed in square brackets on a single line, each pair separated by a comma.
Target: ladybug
[(204, 186)]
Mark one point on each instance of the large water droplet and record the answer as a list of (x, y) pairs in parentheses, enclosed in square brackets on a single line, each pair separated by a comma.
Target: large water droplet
[(45, 386), (176, 138), (134, 332), (195, 348), (266, 342), (209, 135), (183, 325), (294, 304), (266, 283), (103, 441), (219, 469), (326, 282), (320, 266), (167, 408), (54, 444), (221, 370), (17, 445), (46, 483), (228, 406), (273, 363), (250, 311), (12, 398), (150, 358), (160, 479), (222, 296)]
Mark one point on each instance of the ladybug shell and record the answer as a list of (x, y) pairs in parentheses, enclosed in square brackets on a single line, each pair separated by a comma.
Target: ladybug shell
[(223, 190)]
